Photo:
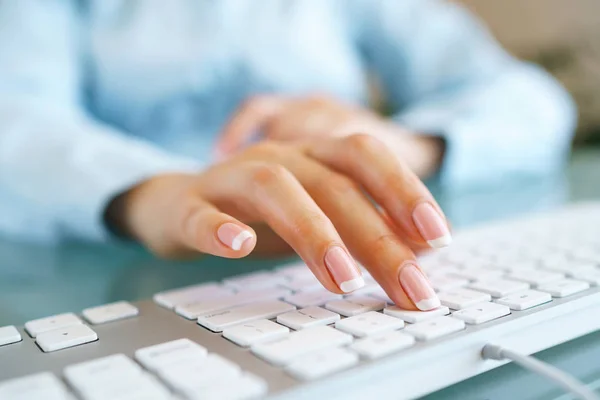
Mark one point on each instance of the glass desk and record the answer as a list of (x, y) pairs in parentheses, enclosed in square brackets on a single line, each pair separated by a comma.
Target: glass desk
[(37, 281)]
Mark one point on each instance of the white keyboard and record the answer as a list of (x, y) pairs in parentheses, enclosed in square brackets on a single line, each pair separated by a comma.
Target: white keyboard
[(529, 284)]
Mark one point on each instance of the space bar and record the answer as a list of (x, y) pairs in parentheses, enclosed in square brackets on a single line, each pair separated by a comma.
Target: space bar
[(218, 321)]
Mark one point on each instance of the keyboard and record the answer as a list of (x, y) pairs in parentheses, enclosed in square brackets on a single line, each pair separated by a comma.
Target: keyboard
[(527, 284)]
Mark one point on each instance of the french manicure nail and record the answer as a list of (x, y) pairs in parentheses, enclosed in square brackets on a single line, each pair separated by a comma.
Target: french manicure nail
[(343, 269), (233, 236), (432, 226), (418, 288)]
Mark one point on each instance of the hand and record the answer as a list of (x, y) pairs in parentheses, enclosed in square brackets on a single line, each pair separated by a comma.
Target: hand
[(283, 118), (316, 196)]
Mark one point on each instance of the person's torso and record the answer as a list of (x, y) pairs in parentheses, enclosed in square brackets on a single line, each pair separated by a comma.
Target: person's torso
[(174, 71)]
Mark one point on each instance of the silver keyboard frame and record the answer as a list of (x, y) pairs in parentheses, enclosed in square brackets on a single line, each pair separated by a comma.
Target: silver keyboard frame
[(419, 370), (414, 372)]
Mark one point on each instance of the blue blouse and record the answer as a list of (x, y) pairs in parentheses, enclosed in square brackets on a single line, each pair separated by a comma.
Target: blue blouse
[(98, 95)]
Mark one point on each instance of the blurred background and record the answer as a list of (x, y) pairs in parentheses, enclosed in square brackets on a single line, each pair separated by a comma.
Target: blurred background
[(561, 35)]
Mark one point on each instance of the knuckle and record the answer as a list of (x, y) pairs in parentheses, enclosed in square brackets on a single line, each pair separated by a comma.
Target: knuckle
[(265, 174), (267, 147), (307, 223), (384, 242), (362, 143)]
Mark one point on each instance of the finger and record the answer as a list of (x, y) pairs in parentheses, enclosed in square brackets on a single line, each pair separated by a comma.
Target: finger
[(418, 247), (370, 239), (312, 116), (205, 229), (272, 192), (248, 121), (391, 184)]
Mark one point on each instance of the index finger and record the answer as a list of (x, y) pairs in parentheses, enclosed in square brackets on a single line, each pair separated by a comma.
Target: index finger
[(276, 196)]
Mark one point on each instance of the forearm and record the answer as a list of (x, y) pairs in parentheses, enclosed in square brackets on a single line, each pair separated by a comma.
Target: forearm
[(55, 160)]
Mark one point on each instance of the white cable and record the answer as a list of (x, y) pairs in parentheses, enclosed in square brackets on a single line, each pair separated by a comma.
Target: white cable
[(557, 376)]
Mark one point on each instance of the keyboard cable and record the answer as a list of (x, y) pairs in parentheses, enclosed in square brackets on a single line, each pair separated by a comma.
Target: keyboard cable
[(559, 377)]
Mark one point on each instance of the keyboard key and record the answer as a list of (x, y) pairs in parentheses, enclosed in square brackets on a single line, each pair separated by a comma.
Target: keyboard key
[(444, 272), (382, 345), (166, 354), (297, 344), (304, 284), (517, 266), (193, 377), (33, 387), (308, 317), (191, 294), (244, 387), (458, 257), (354, 305), (380, 294), (322, 363), (488, 265), (567, 266), (508, 259), (41, 325), (63, 338), (480, 313), (499, 287), (110, 312), (369, 324), (591, 277), (254, 332), (524, 300), (370, 286), (435, 328), (585, 254), (101, 371), (462, 298), (415, 316), (144, 387), (312, 298), (535, 277), (194, 310), (441, 283), (9, 335), (294, 271), (255, 280), (218, 321), (564, 288), (477, 274)]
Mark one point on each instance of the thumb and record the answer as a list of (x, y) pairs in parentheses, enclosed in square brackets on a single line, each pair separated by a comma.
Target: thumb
[(205, 229)]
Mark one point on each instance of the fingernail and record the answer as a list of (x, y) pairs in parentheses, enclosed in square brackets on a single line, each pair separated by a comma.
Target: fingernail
[(343, 269), (432, 226), (233, 236), (418, 288)]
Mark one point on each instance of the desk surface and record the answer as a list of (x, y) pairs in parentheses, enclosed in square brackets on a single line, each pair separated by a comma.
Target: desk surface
[(37, 281)]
